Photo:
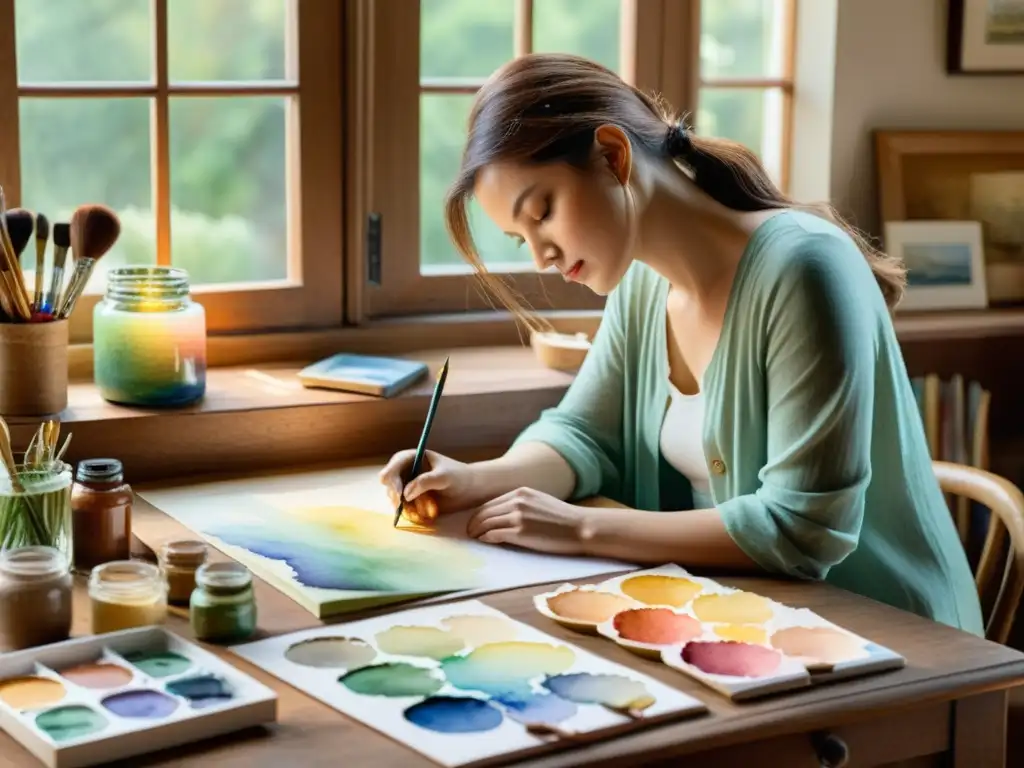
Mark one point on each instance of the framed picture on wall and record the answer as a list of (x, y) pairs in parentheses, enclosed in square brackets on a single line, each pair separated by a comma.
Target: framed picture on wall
[(945, 263), (985, 37)]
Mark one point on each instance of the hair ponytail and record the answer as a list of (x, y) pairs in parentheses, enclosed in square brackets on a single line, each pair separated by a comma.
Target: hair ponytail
[(545, 107)]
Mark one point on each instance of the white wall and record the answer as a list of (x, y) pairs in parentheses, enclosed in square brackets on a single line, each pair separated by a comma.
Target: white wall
[(890, 73)]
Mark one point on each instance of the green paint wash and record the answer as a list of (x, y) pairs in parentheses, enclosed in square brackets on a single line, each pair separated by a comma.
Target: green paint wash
[(161, 664), (66, 723), (398, 679)]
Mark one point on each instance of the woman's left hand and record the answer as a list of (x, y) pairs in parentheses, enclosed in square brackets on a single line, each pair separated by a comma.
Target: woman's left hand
[(530, 519)]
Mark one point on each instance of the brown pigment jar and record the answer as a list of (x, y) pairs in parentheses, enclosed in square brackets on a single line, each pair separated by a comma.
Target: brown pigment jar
[(35, 598), (101, 514), (180, 561)]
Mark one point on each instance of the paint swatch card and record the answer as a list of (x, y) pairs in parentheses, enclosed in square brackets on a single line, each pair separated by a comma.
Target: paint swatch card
[(739, 643), (92, 700), (465, 684), (326, 539)]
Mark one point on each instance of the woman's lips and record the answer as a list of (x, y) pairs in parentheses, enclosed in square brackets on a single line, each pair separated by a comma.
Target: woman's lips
[(573, 272)]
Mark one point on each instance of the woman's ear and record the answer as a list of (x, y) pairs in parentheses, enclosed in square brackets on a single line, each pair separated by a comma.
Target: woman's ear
[(614, 151)]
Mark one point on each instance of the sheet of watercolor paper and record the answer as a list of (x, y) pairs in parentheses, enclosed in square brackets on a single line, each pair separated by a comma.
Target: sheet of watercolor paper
[(461, 682), (326, 539)]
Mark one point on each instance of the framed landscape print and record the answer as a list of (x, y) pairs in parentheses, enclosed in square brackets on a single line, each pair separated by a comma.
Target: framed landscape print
[(985, 37), (945, 263)]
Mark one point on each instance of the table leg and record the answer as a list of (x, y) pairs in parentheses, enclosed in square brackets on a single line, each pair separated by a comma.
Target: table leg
[(979, 731)]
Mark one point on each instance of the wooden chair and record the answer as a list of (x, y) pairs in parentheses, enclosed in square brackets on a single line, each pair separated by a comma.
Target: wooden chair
[(1000, 572)]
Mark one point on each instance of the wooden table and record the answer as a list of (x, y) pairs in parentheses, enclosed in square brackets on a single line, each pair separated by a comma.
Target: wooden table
[(947, 707)]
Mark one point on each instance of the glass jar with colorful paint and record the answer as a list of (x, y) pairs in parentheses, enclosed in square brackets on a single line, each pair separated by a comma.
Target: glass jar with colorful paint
[(180, 561), (35, 598), (127, 594), (223, 606), (101, 514), (149, 338)]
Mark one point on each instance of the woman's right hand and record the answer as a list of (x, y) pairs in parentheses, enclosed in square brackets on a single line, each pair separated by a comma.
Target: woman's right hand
[(443, 485)]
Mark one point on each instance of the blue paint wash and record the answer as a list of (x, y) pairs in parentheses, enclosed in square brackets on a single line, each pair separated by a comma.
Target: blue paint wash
[(202, 691), (537, 708), (450, 714)]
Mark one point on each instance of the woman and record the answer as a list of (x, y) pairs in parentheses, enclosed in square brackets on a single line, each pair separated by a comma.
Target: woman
[(746, 369)]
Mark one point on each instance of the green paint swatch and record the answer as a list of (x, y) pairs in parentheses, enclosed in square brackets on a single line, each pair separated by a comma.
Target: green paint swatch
[(397, 679), (66, 723), (161, 664)]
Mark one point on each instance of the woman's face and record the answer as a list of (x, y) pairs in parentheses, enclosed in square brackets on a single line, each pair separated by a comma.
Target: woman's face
[(574, 220)]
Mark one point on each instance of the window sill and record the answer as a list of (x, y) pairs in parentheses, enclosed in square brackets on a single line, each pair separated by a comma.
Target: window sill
[(261, 417)]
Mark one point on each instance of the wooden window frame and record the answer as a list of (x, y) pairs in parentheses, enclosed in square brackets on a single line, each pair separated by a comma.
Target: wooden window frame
[(659, 51), (312, 295), (784, 84)]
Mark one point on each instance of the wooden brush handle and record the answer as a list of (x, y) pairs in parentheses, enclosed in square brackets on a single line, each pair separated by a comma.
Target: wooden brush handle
[(14, 284), (60, 254)]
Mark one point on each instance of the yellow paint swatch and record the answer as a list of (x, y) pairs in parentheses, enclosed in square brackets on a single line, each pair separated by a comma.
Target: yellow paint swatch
[(30, 692), (656, 589), (742, 633), (733, 608), (478, 630)]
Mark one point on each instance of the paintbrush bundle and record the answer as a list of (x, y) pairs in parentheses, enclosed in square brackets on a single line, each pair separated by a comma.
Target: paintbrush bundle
[(89, 235)]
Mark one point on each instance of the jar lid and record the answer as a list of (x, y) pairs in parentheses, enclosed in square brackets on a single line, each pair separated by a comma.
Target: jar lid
[(184, 554), (223, 577), (100, 470), (34, 562), (126, 579)]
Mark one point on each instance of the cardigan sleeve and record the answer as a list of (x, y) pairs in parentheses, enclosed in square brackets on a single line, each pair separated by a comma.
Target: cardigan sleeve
[(821, 325), (585, 428)]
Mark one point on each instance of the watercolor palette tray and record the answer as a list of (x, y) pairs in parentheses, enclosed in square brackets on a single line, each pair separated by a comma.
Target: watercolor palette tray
[(464, 684), (739, 643), (91, 700)]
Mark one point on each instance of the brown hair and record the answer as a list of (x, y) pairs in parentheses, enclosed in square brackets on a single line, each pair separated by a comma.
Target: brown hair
[(546, 107)]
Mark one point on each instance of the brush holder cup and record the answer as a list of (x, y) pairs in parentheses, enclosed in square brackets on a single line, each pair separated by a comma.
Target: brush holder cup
[(149, 339), (33, 368)]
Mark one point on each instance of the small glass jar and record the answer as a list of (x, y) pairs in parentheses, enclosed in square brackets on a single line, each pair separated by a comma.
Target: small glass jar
[(101, 514), (127, 594), (35, 598), (149, 339), (223, 606), (36, 510), (180, 561)]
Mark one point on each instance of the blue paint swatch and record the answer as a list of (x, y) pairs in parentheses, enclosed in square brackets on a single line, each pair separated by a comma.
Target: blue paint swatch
[(202, 691), (142, 704), (537, 708), (450, 714)]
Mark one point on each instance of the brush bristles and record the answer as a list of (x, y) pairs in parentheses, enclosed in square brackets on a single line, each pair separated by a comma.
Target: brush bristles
[(19, 227), (62, 234), (94, 230), (42, 226)]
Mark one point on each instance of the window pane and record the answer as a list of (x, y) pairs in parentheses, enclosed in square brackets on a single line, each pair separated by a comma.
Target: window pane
[(76, 151), (442, 135), (465, 38), (589, 29), (83, 40), (228, 188), (742, 38), (226, 39), (751, 116)]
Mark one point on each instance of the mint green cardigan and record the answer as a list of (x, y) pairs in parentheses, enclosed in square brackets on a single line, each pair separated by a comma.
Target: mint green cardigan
[(815, 446)]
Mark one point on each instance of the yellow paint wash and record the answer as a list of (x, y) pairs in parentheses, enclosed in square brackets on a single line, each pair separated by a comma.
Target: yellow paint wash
[(30, 692), (742, 633), (654, 589), (733, 608)]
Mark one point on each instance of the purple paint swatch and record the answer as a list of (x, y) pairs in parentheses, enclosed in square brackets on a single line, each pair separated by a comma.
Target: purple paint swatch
[(143, 704)]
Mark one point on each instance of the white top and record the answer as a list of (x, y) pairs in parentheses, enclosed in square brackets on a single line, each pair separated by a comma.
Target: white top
[(682, 438)]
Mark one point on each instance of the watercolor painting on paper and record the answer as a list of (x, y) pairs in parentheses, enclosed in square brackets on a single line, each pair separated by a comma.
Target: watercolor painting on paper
[(326, 540), (463, 683)]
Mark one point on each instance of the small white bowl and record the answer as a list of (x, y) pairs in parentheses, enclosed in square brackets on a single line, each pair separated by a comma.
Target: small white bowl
[(560, 351)]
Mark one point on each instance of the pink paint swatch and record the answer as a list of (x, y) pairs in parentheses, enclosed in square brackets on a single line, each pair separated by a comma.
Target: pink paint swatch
[(732, 658), (657, 626)]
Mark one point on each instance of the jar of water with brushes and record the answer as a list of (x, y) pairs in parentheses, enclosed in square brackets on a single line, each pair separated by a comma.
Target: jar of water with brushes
[(149, 338)]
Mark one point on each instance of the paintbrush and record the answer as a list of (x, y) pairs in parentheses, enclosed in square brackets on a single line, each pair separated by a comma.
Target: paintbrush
[(422, 447), (19, 228), (94, 230), (14, 297), (42, 235), (61, 243)]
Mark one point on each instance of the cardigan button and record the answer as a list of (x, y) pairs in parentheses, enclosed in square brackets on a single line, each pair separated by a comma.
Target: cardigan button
[(718, 467)]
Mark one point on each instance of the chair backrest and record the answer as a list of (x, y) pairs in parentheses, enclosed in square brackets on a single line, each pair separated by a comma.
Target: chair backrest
[(1000, 573)]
